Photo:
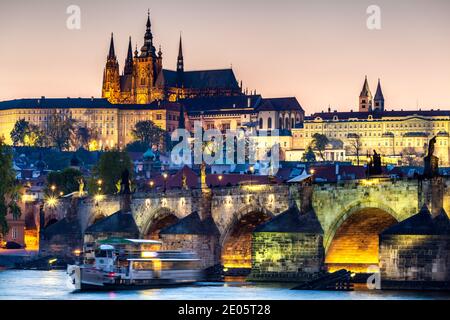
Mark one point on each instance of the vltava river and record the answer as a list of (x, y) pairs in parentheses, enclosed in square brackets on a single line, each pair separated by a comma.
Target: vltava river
[(52, 285)]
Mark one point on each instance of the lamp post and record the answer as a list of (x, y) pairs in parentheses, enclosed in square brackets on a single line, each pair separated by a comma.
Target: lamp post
[(99, 183), (252, 170), (165, 175), (311, 172), (152, 184)]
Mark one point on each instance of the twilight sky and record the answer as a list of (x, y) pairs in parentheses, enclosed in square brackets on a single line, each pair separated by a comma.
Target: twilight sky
[(316, 50)]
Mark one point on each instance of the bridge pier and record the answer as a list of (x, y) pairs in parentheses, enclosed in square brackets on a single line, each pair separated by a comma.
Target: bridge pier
[(431, 194)]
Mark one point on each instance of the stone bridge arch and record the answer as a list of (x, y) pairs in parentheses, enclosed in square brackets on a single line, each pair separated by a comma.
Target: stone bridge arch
[(352, 242), (354, 213), (158, 219), (350, 211), (236, 238)]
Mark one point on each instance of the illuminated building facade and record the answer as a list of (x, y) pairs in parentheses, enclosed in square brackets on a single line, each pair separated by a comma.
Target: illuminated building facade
[(113, 123), (391, 133)]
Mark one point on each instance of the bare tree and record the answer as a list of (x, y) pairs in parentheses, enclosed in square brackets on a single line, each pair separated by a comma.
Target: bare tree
[(60, 130), (411, 157), (355, 145)]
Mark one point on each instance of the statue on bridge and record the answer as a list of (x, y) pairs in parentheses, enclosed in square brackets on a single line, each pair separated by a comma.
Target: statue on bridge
[(431, 162), (125, 182), (374, 166)]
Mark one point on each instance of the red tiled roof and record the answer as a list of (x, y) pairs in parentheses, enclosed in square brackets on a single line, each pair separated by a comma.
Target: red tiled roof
[(213, 180)]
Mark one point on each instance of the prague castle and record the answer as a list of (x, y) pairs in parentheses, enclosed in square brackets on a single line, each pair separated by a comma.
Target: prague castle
[(144, 80), (146, 91)]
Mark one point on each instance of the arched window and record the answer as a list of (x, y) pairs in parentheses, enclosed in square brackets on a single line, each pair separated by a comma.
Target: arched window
[(280, 123), (292, 123), (260, 123), (269, 123), (287, 123)]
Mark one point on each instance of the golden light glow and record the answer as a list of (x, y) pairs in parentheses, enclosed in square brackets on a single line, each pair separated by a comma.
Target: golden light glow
[(157, 265), (31, 239), (52, 202), (370, 182), (53, 187), (99, 197), (148, 254), (77, 252), (27, 198), (220, 178), (165, 175), (93, 145), (254, 188), (51, 261), (152, 183)]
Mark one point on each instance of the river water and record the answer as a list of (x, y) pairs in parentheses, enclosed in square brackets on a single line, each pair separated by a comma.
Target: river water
[(52, 285)]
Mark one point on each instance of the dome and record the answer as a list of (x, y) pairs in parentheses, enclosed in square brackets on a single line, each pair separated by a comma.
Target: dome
[(149, 154)]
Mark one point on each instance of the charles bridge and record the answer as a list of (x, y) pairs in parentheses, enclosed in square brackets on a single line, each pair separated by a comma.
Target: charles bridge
[(220, 223)]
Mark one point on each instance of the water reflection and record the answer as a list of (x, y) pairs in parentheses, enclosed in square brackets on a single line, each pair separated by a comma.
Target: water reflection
[(45, 285)]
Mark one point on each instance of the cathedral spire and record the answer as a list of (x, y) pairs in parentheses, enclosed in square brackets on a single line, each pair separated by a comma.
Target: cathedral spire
[(148, 48), (365, 90), (112, 52), (379, 98), (180, 60), (129, 61), (365, 98)]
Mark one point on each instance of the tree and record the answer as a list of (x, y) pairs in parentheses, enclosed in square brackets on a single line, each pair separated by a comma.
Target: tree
[(9, 189), (319, 143), (34, 137), (410, 157), (309, 155), (83, 136), (66, 181), (109, 170), (18, 133), (355, 145), (60, 130), (149, 133)]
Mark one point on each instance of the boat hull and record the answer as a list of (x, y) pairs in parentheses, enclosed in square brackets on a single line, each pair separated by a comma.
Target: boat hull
[(90, 279)]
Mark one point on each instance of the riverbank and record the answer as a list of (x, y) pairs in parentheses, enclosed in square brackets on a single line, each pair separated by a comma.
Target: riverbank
[(9, 258)]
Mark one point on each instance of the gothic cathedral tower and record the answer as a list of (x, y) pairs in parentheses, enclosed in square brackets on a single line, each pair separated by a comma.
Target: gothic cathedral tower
[(111, 76), (146, 68), (365, 98)]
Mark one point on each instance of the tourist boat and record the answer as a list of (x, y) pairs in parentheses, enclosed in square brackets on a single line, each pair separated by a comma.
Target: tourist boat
[(115, 264)]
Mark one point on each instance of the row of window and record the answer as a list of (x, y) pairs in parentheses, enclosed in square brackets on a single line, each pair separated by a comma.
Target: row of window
[(374, 126)]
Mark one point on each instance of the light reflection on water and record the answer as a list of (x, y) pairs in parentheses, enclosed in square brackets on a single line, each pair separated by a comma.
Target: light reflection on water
[(51, 285)]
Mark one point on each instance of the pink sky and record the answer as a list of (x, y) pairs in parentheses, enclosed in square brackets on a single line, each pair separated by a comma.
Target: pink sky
[(318, 51)]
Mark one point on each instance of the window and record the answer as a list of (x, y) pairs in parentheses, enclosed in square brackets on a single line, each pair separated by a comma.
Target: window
[(260, 123), (269, 123), (14, 233)]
